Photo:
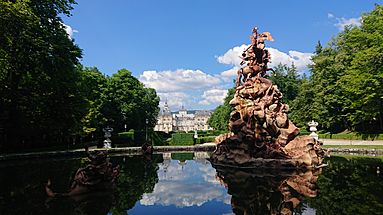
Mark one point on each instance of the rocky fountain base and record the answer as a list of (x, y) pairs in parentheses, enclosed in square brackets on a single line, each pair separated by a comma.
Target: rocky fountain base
[(261, 135)]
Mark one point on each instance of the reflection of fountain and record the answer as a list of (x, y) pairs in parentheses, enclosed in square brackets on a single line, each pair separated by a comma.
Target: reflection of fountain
[(255, 191)]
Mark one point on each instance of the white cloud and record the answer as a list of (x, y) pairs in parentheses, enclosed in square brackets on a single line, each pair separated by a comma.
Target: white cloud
[(213, 96), (342, 22), (180, 87), (69, 30), (229, 73), (181, 79), (232, 56), (174, 99), (300, 59), (195, 89)]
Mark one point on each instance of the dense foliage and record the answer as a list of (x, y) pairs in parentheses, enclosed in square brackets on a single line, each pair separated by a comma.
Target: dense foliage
[(344, 90), (46, 96), (220, 118)]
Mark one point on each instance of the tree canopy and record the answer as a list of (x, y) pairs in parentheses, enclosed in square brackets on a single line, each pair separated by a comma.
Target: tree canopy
[(219, 119), (38, 75), (46, 96), (346, 78)]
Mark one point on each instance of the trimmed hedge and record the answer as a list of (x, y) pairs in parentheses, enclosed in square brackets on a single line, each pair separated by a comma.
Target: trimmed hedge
[(182, 139), (202, 140), (182, 156)]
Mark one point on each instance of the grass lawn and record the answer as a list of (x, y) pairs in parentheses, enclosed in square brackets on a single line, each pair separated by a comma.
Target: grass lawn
[(354, 146)]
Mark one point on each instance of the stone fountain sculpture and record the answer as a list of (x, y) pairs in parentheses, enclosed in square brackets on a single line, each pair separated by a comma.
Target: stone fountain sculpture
[(261, 133)]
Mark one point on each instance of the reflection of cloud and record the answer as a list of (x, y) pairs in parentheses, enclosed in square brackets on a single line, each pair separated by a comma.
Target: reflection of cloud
[(209, 175), (181, 194), (190, 185)]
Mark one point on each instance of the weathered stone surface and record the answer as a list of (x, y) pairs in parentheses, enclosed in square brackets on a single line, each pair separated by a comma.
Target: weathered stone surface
[(259, 124)]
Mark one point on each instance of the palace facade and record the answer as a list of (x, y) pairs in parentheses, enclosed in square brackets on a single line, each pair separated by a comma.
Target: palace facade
[(182, 120)]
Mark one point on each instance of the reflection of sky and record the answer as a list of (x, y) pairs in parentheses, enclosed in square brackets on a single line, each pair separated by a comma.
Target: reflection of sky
[(186, 185)]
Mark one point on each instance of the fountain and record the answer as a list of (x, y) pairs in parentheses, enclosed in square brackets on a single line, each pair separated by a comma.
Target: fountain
[(261, 134)]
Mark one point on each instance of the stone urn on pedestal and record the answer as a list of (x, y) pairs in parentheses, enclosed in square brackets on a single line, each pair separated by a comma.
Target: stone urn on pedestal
[(313, 128)]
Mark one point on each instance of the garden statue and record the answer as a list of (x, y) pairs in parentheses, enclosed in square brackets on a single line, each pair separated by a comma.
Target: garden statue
[(99, 175), (261, 133)]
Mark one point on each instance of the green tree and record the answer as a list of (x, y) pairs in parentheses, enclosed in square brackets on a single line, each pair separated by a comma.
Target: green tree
[(363, 78), (128, 102), (93, 87), (303, 103), (39, 96), (288, 81), (219, 119), (346, 80), (328, 99)]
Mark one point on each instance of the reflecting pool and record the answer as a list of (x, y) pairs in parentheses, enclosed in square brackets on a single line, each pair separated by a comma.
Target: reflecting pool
[(187, 183)]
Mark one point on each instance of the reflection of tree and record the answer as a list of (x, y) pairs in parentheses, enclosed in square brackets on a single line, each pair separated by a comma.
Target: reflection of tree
[(22, 185), (266, 192), (350, 186), (138, 176), (182, 156)]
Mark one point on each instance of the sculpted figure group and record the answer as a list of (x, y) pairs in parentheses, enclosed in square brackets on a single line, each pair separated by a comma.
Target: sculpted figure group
[(255, 56), (259, 124)]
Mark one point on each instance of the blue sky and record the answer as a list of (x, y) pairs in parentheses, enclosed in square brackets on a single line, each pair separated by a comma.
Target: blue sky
[(188, 49)]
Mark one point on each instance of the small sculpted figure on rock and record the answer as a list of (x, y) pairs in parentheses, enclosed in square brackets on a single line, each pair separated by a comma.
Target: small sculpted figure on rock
[(259, 124), (99, 175)]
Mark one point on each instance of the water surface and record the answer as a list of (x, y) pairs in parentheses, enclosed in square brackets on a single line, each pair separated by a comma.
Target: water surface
[(187, 183)]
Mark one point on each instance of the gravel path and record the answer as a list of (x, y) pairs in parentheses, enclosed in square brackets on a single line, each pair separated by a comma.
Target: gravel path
[(351, 142)]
